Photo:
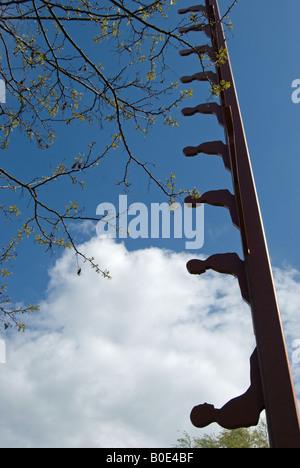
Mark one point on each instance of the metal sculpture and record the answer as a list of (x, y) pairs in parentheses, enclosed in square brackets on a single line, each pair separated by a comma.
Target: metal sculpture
[(271, 382)]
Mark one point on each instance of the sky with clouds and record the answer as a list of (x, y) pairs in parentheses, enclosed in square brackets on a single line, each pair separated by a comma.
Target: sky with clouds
[(121, 362)]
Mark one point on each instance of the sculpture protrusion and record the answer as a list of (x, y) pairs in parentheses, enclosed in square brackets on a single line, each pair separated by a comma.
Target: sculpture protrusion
[(197, 28), (199, 50), (211, 147), (201, 76), (243, 411), (218, 198), (193, 9), (229, 263), (210, 108)]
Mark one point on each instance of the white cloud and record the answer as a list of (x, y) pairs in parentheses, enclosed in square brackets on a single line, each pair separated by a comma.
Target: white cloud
[(121, 363), (288, 290)]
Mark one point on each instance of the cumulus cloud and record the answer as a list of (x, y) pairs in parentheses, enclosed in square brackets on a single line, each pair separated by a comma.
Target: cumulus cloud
[(121, 362)]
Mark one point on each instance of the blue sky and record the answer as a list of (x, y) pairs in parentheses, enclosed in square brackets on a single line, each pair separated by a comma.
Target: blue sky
[(264, 66), (263, 52)]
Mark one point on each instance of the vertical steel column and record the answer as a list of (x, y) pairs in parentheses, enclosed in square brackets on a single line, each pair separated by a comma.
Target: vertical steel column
[(278, 390)]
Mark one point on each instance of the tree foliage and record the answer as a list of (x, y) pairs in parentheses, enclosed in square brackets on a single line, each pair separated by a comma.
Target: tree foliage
[(56, 62), (256, 437)]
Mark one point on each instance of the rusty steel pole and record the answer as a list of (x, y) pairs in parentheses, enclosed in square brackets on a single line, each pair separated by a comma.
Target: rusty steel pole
[(278, 390)]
